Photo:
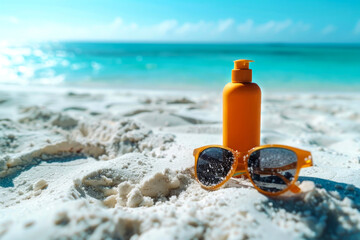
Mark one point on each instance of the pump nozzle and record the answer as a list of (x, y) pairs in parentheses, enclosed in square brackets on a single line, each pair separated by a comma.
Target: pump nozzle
[(241, 71), (242, 64)]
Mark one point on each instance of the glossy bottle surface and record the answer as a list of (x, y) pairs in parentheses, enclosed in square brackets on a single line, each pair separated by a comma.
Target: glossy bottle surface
[(241, 115)]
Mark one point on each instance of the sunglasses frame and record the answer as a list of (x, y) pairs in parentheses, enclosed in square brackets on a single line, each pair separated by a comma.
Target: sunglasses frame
[(304, 159)]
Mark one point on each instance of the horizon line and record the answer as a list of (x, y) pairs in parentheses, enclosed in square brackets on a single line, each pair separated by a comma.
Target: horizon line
[(197, 42)]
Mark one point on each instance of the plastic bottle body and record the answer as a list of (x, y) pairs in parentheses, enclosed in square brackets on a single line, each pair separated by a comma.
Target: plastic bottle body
[(241, 116)]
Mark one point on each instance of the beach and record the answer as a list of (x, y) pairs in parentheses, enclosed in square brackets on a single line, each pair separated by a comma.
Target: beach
[(80, 163)]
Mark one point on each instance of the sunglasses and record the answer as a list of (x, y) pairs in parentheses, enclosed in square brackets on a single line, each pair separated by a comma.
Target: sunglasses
[(272, 169)]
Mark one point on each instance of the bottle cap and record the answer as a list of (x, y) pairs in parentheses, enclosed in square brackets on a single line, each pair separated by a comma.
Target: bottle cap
[(241, 72)]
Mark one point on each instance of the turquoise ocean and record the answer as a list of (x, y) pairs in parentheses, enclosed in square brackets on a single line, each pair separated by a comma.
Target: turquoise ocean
[(280, 67)]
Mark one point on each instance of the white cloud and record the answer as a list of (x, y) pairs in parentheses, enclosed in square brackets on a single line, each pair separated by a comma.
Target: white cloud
[(274, 26), (224, 24), (117, 22), (271, 27), (328, 29), (115, 28), (165, 26), (246, 27), (189, 27), (10, 19), (300, 27), (119, 29), (204, 27), (357, 27)]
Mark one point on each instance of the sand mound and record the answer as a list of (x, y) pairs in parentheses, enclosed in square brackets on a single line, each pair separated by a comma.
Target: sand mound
[(130, 181), (59, 136)]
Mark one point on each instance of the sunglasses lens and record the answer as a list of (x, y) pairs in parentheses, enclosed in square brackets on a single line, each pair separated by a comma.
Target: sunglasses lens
[(213, 165), (272, 169)]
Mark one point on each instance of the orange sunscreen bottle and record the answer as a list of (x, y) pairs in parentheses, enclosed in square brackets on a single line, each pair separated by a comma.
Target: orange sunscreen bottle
[(241, 109)]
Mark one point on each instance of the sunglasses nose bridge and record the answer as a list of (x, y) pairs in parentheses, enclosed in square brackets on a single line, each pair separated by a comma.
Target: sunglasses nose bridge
[(240, 161)]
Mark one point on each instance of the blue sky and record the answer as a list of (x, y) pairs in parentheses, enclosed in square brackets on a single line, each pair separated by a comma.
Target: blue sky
[(181, 21)]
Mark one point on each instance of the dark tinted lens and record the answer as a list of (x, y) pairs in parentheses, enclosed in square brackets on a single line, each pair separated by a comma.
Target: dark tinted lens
[(272, 169), (214, 165)]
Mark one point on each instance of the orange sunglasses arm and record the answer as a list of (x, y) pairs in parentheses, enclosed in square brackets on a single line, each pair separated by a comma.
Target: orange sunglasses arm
[(293, 188)]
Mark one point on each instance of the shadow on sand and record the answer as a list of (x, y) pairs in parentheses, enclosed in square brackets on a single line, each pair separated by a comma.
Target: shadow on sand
[(8, 181), (343, 189), (326, 213)]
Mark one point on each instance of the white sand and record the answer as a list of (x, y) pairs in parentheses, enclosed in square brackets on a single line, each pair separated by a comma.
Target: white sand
[(118, 164)]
